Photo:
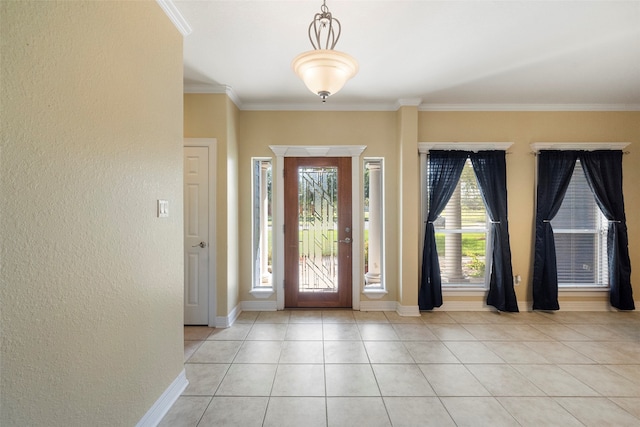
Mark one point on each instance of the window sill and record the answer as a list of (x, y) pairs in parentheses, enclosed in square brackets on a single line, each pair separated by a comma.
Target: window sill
[(374, 293), (262, 293)]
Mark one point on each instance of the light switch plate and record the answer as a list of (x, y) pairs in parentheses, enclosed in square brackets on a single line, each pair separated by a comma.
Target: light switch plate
[(163, 208)]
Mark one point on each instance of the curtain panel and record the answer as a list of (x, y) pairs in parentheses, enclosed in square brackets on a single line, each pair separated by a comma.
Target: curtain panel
[(554, 174), (491, 172), (603, 170), (445, 168)]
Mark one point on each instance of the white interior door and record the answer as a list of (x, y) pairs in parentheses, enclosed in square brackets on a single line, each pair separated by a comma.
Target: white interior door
[(196, 235)]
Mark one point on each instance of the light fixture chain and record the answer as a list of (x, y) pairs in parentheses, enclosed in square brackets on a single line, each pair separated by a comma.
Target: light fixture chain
[(324, 21)]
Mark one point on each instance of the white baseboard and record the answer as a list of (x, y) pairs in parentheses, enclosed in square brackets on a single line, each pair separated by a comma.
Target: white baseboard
[(227, 321), (373, 305), (407, 310), (259, 305), (159, 409)]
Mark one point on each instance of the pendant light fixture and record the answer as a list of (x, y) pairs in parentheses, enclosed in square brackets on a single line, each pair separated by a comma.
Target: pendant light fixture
[(323, 69)]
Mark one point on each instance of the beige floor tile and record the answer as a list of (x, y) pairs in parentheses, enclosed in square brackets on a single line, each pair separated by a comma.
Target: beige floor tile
[(538, 411), (503, 380), (487, 332), (247, 317), (604, 380), (470, 317), (259, 352), (235, 411), (237, 332), (516, 352), (304, 331), (302, 352), (478, 411), (401, 380), (190, 347), (632, 372), (597, 412), (414, 332), (555, 381), (557, 352), (370, 317), (417, 411), (560, 332), (299, 380), (247, 380), (436, 317), (197, 333), (185, 412), (604, 352), (341, 331), (377, 332), (296, 412), (597, 332), (351, 380), (267, 331), (524, 333), (305, 316), (357, 411), (216, 352), (472, 352), (204, 378), (273, 317), (629, 404), (387, 352), (430, 352), (338, 316), (345, 352), (453, 380), (451, 333)]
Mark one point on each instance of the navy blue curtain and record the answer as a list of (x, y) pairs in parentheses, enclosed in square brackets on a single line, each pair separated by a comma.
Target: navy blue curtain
[(445, 168), (603, 170), (491, 172), (554, 173)]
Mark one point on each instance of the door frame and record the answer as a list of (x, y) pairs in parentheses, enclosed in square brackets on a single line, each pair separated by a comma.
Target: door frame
[(282, 151), (212, 145)]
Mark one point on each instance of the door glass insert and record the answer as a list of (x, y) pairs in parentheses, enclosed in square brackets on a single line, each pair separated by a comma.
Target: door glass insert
[(318, 229)]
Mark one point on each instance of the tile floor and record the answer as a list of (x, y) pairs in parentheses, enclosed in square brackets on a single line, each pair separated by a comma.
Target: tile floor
[(349, 368)]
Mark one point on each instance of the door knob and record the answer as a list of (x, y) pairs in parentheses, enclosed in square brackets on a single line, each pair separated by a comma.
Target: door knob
[(346, 240), (201, 244)]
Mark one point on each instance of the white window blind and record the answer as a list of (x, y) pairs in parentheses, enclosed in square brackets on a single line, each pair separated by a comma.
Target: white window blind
[(580, 233)]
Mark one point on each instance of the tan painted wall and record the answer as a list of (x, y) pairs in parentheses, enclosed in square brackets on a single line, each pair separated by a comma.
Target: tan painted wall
[(215, 116), (92, 281), (260, 129), (524, 128)]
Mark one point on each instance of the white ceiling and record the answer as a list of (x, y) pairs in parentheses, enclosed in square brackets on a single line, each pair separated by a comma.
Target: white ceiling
[(477, 54)]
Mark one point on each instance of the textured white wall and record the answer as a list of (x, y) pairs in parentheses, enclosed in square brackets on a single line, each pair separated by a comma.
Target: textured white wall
[(91, 281)]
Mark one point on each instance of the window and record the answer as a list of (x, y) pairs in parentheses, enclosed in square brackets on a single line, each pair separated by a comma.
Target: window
[(373, 224), (461, 234), (580, 234), (261, 224)]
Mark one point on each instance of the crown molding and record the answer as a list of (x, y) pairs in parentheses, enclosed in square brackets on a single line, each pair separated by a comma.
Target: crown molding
[(171, 10), (317, 150), (318, 107), (529, 107), (213, 88), (408, 102)]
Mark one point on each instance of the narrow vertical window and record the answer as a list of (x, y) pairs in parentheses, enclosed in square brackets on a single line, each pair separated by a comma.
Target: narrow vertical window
[(261, 224), (373, 224)]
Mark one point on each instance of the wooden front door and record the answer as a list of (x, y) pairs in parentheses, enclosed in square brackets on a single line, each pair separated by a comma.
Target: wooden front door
[(317, 232)]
